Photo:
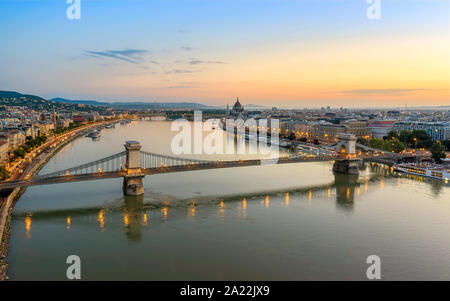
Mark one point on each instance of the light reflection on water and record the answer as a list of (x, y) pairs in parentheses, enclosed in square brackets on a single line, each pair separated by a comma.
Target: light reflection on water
[(268, 223), (135, 212)]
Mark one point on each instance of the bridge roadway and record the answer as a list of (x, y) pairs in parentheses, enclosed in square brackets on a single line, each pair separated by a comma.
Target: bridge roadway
[(181, 168)]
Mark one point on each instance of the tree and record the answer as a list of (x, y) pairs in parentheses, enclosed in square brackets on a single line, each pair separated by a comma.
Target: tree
[(362, 141), (393, 145), (19, 153), (446, 144), (415, 138), (392, 134), (377, 143), (4, 174), (30, 143), (405, 137), (423, 139), (42, 138), (438, 151)]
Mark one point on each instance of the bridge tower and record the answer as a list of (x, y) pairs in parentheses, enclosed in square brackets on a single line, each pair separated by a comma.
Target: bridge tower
[(132, 180), (346, 144), (346, 147)]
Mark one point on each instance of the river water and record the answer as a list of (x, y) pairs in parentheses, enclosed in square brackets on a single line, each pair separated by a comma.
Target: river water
[(286, 222)]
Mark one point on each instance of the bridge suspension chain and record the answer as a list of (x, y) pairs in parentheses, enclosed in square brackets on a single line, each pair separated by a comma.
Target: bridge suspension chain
[(112, 163), (152, 160)]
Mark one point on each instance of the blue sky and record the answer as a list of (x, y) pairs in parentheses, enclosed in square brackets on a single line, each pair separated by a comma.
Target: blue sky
[(266, 51)]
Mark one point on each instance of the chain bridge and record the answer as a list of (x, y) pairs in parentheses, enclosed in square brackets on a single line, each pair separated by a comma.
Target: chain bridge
[(133, 164)]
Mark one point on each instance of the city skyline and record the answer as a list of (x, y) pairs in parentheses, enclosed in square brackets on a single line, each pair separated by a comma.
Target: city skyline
[(286, 54)]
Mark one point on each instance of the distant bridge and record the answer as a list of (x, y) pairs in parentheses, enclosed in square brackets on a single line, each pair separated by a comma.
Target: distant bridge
[(133, 164)]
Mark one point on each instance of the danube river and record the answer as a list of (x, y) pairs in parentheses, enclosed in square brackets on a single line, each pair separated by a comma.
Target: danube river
[(287, 222)]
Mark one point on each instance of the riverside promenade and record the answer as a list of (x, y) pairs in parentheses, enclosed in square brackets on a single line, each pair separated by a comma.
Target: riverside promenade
[(8, 197)]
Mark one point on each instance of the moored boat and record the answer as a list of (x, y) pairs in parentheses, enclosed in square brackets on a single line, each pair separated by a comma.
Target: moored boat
[(94, 134), (434, 171)]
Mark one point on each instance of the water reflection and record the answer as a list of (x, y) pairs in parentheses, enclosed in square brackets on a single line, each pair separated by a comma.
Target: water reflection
[(126, 219), (436, 187), (221, 211), (133, 208), (244, 209), (28, 225), (135, 213), (346, 186), (101, 219), (69, 222), (191, 210), (145, 219), (164, 213)]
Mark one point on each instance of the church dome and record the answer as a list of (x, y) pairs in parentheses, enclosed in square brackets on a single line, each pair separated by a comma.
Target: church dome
[(237, 105), (237, 111)]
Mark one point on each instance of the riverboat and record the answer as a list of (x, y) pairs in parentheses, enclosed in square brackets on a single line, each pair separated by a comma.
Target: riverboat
[(434, 171), (94, 134)]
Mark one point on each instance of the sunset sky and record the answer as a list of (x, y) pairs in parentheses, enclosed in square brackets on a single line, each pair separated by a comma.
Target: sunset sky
[(286, 53)]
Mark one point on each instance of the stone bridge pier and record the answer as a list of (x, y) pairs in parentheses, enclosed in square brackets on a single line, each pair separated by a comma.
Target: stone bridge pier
[(132, 180), (346, 147)]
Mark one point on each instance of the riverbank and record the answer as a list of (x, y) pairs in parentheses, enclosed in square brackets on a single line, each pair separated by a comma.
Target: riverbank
[(11, 196)]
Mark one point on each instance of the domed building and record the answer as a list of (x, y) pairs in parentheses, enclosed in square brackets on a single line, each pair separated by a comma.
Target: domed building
[(237, 111)]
